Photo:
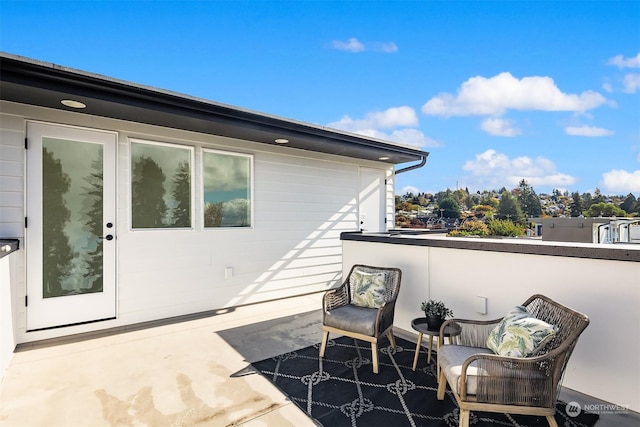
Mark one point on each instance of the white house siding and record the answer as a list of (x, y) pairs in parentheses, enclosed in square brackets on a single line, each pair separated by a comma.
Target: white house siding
[(302, 202), (12, 216)]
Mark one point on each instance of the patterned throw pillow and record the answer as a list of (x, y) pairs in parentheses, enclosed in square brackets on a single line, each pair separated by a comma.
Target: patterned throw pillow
[(367, 289), (519, 335)]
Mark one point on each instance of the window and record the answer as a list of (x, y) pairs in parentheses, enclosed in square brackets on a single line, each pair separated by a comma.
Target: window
[(160, 185), (227, 189)]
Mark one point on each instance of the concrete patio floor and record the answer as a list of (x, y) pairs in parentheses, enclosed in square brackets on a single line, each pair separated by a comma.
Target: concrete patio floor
[(173, 373), (177, 374)]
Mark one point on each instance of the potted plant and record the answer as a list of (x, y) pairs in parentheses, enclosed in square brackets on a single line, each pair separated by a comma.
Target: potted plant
[(435, 312)]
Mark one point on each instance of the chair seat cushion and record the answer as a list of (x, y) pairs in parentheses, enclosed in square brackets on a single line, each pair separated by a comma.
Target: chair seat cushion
[(352, 318), (451, 358)]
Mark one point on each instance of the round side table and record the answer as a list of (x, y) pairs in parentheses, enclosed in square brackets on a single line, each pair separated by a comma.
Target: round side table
[(420, 324)]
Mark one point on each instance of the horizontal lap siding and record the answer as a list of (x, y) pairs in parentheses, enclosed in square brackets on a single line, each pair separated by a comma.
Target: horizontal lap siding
[(302, 201), (300, 208), (12, 154), (301, 205), (11, 177)]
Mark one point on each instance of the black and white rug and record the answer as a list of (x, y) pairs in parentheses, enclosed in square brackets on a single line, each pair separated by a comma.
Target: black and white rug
[(342, 390)]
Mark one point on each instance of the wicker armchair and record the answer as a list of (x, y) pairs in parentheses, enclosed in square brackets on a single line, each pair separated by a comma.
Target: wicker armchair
[(342, 313), (483, 381)]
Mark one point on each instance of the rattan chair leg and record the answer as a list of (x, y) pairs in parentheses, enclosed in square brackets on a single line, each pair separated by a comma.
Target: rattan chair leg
[(415, 357), (464, 417), (552, 421), (392, 339), (442, 384), (323, 347), (374, 357)]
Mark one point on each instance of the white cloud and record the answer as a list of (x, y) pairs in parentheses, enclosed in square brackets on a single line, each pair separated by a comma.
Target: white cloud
[(408, 189), (354, 45), (492, 170), (494, 96), (351, 45), (631, 83), (387, 119), (409, 136), (587, 131), (396, 124), (621, 181), (389, 47), (499, 127), (622, 62)]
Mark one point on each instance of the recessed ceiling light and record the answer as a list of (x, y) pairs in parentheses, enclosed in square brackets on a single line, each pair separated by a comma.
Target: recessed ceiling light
[(384, 158), (73, 104), (282, 141)]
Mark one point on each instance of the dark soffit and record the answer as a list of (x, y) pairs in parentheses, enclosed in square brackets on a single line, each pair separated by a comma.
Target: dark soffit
[(31, 82)]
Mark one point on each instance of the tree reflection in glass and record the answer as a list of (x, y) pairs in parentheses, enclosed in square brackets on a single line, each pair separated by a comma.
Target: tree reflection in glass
[(72, 205), (160, 186), (227, 189)]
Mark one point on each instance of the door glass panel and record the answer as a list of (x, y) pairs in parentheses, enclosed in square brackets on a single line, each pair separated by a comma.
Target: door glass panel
[(72, 217)]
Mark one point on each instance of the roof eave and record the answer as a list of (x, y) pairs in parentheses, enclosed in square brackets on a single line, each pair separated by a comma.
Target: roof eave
[(36, 83)]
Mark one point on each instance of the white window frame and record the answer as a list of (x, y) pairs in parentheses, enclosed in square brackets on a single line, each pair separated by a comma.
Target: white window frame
[(251, 187), (191, 150)]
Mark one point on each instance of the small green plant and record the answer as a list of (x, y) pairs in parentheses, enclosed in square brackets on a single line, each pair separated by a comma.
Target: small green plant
[(471, 228), (435, 308), (501, 227)]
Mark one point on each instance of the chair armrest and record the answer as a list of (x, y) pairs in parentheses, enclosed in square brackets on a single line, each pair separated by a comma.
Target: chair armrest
[(473, 333), (385, 316), (336, 297), (505, 380)]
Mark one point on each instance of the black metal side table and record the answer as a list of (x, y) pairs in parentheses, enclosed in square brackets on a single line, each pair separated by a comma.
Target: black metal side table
[(420, 324)]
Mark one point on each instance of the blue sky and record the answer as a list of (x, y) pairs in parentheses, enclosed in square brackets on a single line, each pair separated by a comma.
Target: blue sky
[(495, 91)]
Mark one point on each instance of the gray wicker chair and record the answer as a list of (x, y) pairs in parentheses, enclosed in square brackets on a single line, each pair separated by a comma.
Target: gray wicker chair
[(483, 381), (342, 316)]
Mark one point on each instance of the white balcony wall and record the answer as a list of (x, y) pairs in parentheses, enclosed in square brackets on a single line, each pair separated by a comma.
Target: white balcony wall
[(7, 333), (605, 362)]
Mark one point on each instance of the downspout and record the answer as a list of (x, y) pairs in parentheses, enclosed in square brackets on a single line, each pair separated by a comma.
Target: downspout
[(423, 162)]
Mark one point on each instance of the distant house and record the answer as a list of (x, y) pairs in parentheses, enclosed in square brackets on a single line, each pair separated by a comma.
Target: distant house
[(134, 204)]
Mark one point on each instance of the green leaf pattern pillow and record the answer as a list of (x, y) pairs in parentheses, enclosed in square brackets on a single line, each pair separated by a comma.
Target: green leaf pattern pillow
[(519, 335), (367, 289)]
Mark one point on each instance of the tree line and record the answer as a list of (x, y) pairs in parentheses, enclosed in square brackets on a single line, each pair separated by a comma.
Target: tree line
[(517, 205)]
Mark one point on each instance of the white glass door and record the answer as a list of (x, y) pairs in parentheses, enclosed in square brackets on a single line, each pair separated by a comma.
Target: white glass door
[(71, 226)]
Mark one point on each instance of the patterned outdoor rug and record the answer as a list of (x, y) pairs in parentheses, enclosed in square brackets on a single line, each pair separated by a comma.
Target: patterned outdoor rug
[(342, 390)]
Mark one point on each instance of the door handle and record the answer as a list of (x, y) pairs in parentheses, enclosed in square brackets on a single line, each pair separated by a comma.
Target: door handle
[(107, 237)]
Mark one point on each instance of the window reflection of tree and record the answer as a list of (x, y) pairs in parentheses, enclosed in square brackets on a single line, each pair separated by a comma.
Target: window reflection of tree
[(213, 214), (227, 188), (93, 224), (181, 213), (147, 194), (57, 255)]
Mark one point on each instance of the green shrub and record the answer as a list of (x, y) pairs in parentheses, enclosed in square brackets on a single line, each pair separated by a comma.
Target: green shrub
[(501, 227), (470, 228)]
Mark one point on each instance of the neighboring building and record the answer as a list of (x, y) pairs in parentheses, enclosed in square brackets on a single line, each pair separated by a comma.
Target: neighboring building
[(134, 204), (588, 230)]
